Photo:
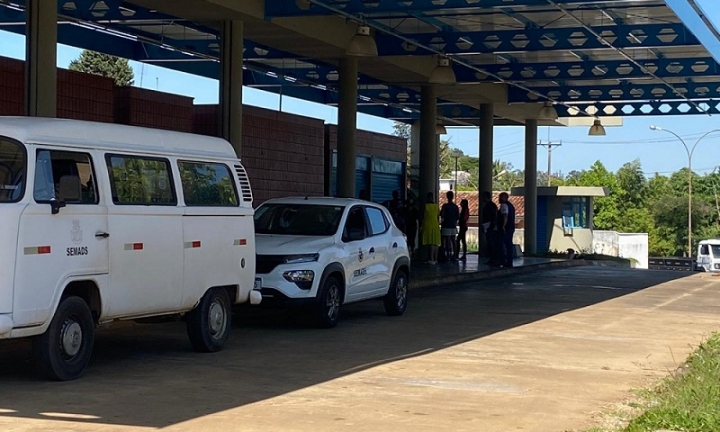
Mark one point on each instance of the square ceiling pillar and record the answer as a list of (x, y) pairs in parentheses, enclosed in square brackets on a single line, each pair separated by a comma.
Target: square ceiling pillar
[(231, 82), (41, 53), (347, 127)]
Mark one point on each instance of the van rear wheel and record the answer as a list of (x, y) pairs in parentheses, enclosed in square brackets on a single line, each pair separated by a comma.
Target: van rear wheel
[(63, 352), (208, 325)]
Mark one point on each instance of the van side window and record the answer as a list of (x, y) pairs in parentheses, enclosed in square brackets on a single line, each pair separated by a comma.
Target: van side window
[(74, 169), (12, 171), (140, 180), (704, 250), (207, 184)]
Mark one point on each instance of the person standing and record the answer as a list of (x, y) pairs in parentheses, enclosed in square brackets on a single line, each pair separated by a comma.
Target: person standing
[(412, 218), (431, 227), (488, 224), (462, 235), (449, 214), (395, 207), (506, 229)]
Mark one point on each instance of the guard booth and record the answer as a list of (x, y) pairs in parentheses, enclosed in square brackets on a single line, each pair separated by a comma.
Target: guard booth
[(377, 175), (565, 217)]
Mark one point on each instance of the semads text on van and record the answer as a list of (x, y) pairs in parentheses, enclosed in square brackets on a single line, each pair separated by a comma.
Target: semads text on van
[(103, 222)]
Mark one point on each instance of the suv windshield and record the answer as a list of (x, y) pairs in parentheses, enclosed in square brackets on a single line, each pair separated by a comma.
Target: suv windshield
[(298, 219), (12, 171)]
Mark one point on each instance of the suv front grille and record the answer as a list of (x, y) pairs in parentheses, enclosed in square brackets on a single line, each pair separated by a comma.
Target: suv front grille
[(265, 264)]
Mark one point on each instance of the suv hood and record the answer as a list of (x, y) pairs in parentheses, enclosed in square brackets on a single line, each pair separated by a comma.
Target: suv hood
[(290, 245)]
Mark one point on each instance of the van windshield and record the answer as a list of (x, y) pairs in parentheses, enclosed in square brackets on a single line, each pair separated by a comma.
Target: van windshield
[(715, 251), (12, 171), (298, 219)]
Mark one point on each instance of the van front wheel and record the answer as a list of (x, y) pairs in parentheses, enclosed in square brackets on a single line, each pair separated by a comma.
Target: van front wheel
[(208, 325), (63, 352)]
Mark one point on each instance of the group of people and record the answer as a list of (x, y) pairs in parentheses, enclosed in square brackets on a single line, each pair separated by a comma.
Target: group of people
[(447, 239), (444, 228)]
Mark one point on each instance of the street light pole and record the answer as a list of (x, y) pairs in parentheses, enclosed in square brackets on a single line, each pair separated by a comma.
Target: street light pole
[(690, 152), (457, 154)]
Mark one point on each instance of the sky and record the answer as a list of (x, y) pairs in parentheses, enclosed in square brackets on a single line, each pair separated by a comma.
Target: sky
[(659, 152)]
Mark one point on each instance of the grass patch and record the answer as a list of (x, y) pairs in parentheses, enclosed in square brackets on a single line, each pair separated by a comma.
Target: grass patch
[(688, 400)]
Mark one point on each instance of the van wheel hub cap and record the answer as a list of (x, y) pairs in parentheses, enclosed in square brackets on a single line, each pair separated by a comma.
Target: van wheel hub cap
[(71, 337), (218, 319)]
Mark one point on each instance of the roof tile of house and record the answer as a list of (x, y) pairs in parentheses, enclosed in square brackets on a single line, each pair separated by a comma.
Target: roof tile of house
[(474, 202)]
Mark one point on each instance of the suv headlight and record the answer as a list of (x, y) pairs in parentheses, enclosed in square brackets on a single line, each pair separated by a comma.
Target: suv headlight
[(302, 278), (299, 259)]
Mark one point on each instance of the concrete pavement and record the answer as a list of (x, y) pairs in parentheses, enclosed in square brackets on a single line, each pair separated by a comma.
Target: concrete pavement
[(540, 352)]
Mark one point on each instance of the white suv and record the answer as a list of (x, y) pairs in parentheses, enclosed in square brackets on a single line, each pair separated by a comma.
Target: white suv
[(322, 253)]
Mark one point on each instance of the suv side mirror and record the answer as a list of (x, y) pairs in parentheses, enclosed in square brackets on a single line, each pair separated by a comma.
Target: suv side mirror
[(354, 235)]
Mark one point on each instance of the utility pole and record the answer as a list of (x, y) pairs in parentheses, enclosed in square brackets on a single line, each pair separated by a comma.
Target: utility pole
[(549, 146)]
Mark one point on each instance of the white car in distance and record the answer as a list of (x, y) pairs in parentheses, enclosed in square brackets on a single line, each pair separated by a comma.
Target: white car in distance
[(322, 253)]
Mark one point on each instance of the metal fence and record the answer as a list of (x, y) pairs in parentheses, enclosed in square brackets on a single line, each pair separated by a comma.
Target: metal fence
[(672, 263)]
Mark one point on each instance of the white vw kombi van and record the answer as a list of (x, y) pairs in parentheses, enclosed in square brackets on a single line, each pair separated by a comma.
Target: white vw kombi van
[(103, 222)]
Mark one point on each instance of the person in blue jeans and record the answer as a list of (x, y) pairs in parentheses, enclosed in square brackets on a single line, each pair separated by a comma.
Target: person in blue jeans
[(506, 229)]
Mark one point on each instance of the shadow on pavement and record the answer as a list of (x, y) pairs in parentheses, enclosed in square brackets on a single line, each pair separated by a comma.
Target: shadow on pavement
[(148, 376)]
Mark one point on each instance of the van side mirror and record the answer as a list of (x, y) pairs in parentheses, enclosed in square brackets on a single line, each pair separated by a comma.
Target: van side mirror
[(56, 205), (69, 190)]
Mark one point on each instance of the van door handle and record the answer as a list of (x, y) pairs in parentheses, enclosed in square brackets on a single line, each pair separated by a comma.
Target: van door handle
[(102, 235), (394, 245), (372, 250)]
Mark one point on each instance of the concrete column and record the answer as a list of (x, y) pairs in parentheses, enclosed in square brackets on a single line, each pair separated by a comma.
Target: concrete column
[(347, 127), (531, 146), (231, 82), (486, 148), (41, 53), (429, 161), (414, 170)]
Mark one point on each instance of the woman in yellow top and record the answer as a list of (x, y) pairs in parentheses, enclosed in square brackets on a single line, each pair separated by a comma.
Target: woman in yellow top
[(431, 227)]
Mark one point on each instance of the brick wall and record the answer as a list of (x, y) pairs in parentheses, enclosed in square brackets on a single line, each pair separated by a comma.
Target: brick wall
[(283, 153), (149, 108), (372, 144), (85, 97), (80, 96), (12, 84)]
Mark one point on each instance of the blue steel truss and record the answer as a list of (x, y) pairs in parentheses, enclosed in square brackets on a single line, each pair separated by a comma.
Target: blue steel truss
[(594, 70), (620, 92), (530, 39), (197, 57), (635, 109), (292, 8)]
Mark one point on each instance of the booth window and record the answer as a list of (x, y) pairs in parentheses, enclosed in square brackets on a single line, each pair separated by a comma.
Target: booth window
[(575, 213)]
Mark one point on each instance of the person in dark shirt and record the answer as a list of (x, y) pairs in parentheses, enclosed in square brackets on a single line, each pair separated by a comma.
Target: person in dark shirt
[(396, 208), (506, 229), (449, 215), (462, 235), (412, 218), (488, 222)]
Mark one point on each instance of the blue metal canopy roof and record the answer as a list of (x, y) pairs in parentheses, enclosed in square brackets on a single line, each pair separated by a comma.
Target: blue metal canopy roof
[(590, 57)]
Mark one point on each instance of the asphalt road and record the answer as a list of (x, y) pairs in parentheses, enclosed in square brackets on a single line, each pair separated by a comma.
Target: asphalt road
[(540, 352)]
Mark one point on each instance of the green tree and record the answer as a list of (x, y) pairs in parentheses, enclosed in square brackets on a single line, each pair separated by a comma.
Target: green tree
[(96, 63)]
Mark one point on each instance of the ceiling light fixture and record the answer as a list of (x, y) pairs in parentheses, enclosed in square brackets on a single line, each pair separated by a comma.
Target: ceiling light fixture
[(443, 73), (548, 112), (362, 44), (597, 129)]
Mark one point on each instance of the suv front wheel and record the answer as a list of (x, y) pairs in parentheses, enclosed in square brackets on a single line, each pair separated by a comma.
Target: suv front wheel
[(329, 303), (396, 299)]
